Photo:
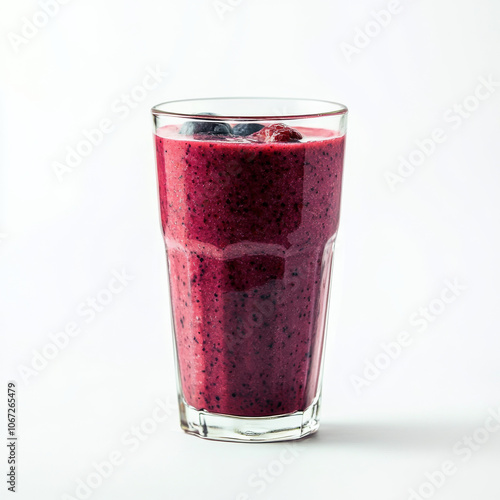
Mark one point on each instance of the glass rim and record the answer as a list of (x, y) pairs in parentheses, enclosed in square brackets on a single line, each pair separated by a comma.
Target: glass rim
[(339, 109)]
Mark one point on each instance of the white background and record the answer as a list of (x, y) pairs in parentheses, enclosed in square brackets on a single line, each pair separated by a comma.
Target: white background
[(61, 239)]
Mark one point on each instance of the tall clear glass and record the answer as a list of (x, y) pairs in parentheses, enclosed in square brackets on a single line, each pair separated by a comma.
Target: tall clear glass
[(249, 192)]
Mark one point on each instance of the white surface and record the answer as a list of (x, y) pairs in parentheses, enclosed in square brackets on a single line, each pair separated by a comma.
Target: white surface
[(62, 240)]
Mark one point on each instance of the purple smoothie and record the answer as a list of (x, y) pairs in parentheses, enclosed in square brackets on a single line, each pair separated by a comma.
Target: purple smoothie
[(249, 228)]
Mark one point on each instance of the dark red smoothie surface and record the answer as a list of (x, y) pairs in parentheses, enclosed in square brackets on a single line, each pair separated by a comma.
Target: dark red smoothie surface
[(249, 229)]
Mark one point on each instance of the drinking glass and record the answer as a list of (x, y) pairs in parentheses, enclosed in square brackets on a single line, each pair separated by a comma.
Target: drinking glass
[(249, 193)]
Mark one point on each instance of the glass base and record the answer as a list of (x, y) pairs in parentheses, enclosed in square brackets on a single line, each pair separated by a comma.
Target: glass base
[(222, 427)]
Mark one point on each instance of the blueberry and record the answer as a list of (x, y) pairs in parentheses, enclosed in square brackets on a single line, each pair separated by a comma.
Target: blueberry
[(209, 128), (243, 129)]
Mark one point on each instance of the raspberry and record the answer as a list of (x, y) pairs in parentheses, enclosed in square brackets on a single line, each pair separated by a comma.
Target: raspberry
[(278, 132)]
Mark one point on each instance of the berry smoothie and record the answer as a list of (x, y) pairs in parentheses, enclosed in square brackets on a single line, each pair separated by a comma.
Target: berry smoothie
[(249, 221)]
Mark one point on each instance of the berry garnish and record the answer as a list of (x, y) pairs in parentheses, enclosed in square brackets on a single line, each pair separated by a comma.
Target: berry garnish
[(243, 129), (278, 132), (208, 128)]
